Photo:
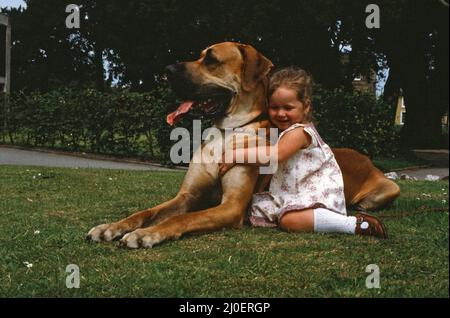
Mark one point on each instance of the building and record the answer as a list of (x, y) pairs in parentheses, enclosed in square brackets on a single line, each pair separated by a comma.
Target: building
[(365, 85), (400, 113), (361, 83), (5, 75)]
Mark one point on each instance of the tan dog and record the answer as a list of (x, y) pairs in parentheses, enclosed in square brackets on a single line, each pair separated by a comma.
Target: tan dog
[(228, 83)]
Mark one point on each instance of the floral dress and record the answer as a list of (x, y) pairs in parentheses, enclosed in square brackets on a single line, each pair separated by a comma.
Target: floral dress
[(310, 179)]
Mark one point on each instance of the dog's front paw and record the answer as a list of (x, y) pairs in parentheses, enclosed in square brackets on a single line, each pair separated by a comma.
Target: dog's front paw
[(141, 238), (106, 232)]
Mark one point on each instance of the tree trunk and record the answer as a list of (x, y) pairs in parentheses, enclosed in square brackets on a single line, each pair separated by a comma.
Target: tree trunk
[(423, 118), (423, 121)]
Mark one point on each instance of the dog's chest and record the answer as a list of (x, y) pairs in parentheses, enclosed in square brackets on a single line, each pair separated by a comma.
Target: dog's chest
[(219, 141), (218, 144)]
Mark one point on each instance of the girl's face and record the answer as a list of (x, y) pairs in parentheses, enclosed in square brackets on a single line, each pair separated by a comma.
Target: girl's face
[(285, 109)]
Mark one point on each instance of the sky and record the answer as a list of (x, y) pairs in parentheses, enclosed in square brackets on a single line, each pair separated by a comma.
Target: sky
[(12, 3)]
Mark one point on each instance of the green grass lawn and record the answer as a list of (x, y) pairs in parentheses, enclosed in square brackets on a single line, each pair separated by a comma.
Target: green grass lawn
[(63, 204), (387, 164)]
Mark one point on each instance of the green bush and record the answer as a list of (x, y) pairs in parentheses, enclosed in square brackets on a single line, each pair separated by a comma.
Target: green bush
[(355, 120), (125, 123), (118, 122)]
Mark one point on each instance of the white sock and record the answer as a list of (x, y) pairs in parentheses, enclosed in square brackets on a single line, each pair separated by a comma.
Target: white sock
[(326, 221)]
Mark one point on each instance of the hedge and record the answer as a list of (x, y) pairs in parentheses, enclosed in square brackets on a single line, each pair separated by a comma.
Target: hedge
[(118, 122), (125, 123), (356, 120)]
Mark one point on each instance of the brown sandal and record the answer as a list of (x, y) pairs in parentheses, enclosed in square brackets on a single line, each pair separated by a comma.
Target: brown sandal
[(375, 226)]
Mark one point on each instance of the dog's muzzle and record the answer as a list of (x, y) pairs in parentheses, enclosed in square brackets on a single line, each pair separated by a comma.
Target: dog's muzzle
[(199, 101)]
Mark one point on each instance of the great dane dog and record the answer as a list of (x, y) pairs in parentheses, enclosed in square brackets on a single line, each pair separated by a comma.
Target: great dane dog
[(228, 83)]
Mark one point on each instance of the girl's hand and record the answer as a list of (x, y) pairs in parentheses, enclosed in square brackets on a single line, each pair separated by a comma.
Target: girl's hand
[(224, 167)]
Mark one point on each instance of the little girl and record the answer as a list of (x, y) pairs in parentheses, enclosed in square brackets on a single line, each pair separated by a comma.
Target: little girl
[(306, 193)]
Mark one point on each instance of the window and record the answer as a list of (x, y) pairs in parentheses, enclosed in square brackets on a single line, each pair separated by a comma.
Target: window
[(402, 117)]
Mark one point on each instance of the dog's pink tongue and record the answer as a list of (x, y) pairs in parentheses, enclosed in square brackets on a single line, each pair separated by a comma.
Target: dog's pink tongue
[(175, 116)]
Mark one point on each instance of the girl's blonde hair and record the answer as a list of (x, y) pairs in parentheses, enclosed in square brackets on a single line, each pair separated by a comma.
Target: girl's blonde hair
[(297, 79)]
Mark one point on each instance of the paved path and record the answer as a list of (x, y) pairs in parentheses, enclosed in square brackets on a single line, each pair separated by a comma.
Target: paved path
[(420, 174), (11, 156)]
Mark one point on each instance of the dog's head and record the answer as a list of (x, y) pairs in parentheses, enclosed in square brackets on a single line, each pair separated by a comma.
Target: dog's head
[(224, 82)]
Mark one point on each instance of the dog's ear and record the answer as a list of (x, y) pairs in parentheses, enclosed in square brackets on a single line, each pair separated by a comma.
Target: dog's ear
[(256, 67)]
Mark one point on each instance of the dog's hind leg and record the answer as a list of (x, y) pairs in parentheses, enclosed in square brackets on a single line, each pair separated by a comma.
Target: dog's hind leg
[(382, 194)]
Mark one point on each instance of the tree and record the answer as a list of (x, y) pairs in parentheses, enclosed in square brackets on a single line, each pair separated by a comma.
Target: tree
[(414, 37), (139, 38), (413, 41)]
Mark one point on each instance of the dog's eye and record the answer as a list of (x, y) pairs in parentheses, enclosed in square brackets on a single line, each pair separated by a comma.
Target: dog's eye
[(209, 59)]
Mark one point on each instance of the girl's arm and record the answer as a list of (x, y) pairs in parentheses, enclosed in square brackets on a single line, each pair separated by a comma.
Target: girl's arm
[(285, 148)]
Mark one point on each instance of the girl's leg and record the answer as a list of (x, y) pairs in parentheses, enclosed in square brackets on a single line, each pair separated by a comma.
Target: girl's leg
[(298, 221), (318, 220), (326, 221)]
